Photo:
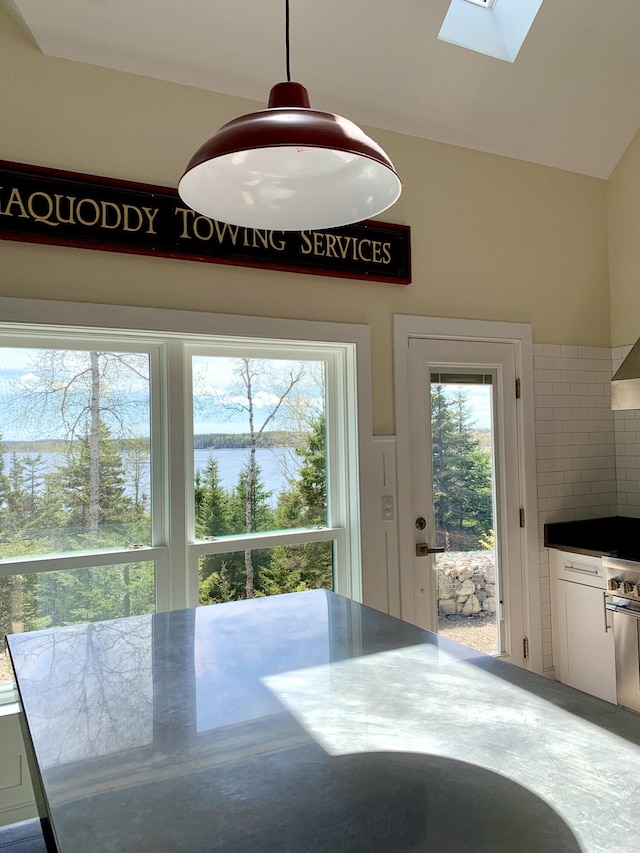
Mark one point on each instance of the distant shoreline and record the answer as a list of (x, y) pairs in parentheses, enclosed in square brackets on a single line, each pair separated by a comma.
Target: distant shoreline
[(203, 441)]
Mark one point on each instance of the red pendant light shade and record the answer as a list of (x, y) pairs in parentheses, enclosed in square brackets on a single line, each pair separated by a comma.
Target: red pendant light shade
[(290, 168)]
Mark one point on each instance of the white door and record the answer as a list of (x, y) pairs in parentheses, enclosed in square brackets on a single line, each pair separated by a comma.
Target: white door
[(465, 488)]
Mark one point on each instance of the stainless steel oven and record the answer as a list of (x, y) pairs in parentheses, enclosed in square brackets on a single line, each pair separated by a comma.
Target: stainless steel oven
[(623, 604)]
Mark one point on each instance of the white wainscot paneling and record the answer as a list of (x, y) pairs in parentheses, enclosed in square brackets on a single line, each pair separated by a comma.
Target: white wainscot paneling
[(386, 501), (16, 794)]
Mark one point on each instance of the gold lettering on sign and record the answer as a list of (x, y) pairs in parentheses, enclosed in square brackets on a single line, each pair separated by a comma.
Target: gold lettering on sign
[(262, 236), (278, 245), (15, 198), (206, 229), (72, 200), (185, 211), (361, 244), (196, 227), (342, 246), (127, 211), (106, 206), (151, 215), (331, 243), (45, 215), (307, 248), (83, 203), (231, 230)]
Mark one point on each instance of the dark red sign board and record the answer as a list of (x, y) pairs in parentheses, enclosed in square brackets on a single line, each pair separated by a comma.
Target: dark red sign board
[(42, 205)]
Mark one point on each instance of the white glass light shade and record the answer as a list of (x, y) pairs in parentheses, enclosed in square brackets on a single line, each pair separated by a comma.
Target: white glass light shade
[(290, 168)]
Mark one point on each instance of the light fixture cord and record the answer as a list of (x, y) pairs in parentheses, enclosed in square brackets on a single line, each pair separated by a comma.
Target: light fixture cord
[(286, 18)]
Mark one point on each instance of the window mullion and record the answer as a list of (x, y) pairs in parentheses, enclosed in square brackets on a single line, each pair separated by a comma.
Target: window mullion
[(159, 481), (177, 472)]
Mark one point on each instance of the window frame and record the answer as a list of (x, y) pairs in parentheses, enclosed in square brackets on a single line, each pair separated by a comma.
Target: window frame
[(342, 522), (167, 335)]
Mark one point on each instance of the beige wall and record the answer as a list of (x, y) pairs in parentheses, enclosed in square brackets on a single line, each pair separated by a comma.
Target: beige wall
[(623, 202), (492, 238)]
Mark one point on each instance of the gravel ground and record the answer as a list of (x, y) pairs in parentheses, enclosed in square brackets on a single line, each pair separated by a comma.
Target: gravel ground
[(478, 633)]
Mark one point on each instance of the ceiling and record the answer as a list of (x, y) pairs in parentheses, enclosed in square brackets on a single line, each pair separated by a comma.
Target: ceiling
[(571, 99)]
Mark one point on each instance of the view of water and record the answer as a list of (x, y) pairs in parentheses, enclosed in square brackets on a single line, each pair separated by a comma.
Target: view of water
[(274, 464)]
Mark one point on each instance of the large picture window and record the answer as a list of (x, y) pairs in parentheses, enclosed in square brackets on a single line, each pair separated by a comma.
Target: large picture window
[(146, 471)]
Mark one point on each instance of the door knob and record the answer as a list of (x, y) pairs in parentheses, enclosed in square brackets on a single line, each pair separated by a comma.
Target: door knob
[(423, 550)]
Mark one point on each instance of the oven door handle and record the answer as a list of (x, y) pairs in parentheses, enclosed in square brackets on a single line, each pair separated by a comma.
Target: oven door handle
[(604, 602)]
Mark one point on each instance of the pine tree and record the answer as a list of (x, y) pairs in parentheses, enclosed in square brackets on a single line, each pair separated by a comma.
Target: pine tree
[(308, 566), (313, 475), (256, 495), (462, 487), (211, 501), (217, 587), (85, 520), (211, 505)]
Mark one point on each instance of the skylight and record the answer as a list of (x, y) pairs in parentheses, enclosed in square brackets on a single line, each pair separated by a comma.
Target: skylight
[(494, 28)]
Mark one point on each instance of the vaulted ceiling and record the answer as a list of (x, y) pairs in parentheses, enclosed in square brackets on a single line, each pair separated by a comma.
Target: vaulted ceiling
[(571, 99)]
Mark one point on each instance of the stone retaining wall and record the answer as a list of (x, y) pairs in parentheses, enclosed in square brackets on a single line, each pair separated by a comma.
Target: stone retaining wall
[(466, 582)]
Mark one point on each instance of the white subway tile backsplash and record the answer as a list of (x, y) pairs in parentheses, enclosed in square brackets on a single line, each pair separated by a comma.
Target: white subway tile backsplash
[(586, 352), (544, 440), (577, 449), (568, 375), (591, 500), (540, 362), (582, 489), (569, 351)]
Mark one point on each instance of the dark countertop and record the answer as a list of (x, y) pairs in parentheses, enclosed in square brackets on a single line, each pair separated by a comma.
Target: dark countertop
[(612, 536), (307, 722)]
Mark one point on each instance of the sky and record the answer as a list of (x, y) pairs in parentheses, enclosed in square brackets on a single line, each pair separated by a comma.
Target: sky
[(219, 394), (220, 398)]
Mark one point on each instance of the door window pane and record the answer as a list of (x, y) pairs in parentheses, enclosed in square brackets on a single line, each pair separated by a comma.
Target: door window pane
[(285, 568), (259, 445), (30, 602), (74, 450), (464, 498)]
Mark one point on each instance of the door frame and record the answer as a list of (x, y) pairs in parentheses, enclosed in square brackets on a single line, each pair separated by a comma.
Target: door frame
[(406, 327)]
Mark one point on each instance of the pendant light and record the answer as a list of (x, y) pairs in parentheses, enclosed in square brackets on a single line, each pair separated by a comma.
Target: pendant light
[(290, 168)]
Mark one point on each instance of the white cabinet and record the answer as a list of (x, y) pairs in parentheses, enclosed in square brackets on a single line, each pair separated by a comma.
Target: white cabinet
[(583, 649)]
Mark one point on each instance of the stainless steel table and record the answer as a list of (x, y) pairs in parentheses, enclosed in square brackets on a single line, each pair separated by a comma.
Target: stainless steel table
[(308, 722)]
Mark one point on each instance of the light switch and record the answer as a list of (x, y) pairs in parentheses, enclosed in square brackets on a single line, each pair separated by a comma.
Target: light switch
[(387, 508)]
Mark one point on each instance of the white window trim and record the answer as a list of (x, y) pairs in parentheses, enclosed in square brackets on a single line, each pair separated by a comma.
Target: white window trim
[(406, 327), (24, 316)]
